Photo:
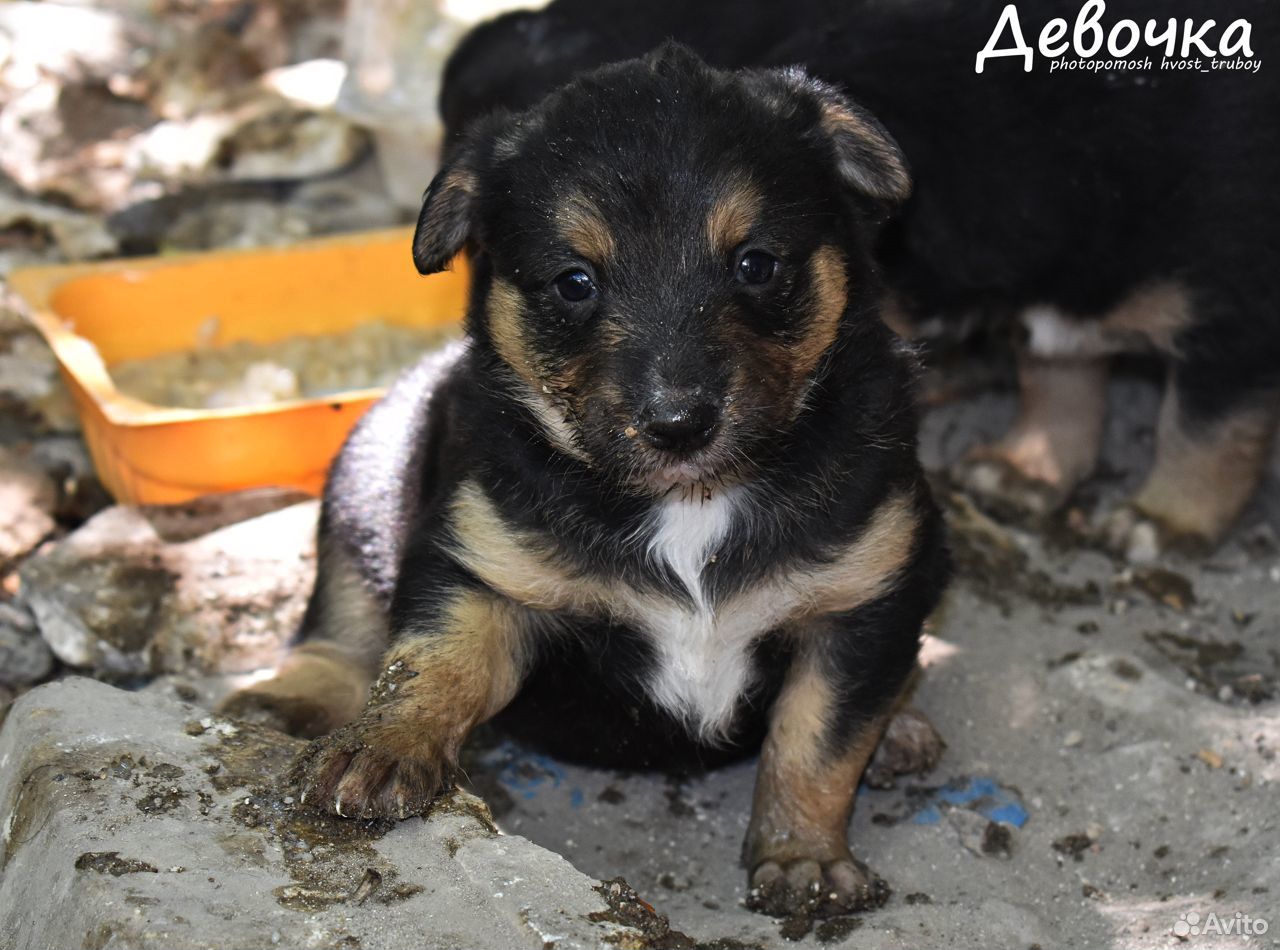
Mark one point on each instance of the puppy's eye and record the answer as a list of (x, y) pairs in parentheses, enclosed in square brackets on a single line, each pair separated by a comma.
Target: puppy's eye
[(575, 286), (756, 267)]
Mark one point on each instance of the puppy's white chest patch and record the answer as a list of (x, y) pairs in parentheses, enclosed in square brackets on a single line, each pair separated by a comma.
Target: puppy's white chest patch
[(703, 653)]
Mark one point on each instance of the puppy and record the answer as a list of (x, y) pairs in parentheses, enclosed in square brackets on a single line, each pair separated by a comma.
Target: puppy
[(1092, 213), (666, 495)]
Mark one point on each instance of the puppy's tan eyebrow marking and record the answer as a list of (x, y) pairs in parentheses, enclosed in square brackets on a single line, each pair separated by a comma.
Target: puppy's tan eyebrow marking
[(584, 227), (734, 214)]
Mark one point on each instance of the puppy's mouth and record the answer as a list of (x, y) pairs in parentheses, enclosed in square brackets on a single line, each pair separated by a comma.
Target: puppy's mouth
[(662, 472), (684, 473)]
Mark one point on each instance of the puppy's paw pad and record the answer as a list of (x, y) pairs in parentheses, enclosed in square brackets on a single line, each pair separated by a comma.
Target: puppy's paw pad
[(806, 887), (344, 774), (910, 746), (1005, 490)]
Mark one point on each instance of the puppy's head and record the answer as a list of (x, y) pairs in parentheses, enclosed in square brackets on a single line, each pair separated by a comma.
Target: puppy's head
[(665, 255)]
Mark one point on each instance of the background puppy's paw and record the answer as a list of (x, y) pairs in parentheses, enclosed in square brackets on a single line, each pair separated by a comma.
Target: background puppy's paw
[(1139, 538), (1126, 533), (1004, 490), (910, 746), (300, 716), (351, 776), (805, 887)]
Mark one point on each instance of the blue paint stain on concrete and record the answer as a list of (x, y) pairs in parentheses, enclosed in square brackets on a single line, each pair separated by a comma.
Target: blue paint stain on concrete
[(527, 774), (977, 793)]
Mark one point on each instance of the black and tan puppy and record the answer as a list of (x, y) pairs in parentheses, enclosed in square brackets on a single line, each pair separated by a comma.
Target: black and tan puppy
[(666, 495)]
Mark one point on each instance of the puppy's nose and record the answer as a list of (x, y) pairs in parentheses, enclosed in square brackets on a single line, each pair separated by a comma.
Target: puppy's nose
[(680, 426)]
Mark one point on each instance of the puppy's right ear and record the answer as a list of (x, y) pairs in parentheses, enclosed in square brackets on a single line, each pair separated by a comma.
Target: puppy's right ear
[(448, 212)]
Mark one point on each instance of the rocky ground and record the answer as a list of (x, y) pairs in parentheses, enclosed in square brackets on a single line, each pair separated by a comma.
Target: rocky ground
[(1112, 730), (1111, 764)]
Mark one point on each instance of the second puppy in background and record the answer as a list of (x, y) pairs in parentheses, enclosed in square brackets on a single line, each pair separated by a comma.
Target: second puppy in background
[(665, 503)]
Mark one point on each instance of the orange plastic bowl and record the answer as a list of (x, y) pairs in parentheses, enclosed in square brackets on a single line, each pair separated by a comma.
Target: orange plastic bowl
[(94, 315)]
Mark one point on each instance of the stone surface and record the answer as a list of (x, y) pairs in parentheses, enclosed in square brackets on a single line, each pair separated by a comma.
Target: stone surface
[(24, 657), (27, 501), (264, 137), (128, 820), (76, 236), (31, 394), (139, 591)]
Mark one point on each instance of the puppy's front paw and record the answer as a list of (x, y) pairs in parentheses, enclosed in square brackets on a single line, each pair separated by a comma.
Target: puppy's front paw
[(352, 774), (807, 887)]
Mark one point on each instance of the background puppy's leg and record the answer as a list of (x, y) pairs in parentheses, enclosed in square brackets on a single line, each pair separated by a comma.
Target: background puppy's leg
[(1208, 462), (1054, 442), (324, 681), (437, 683)]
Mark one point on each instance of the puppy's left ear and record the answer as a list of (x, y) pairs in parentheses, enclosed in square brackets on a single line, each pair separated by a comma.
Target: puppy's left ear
[(868, 160), (447, 218)]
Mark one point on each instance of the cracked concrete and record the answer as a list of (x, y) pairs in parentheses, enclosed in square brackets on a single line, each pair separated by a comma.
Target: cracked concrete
[(132, 820)]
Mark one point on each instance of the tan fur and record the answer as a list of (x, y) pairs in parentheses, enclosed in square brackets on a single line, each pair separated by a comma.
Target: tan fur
[(804, 794), (324, 682), (1158, 314), (584, 227), (868, 566), (465, 673), (734, 215), (838, 121), (763, 379), (435, 688), (483, 654), (517, 564), (1058, 433), (831, 294), (1202, 479), (506, 328), (895, 317), (317, 688), (350, 614), (543, 395), (524, 568), (548, 396)]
